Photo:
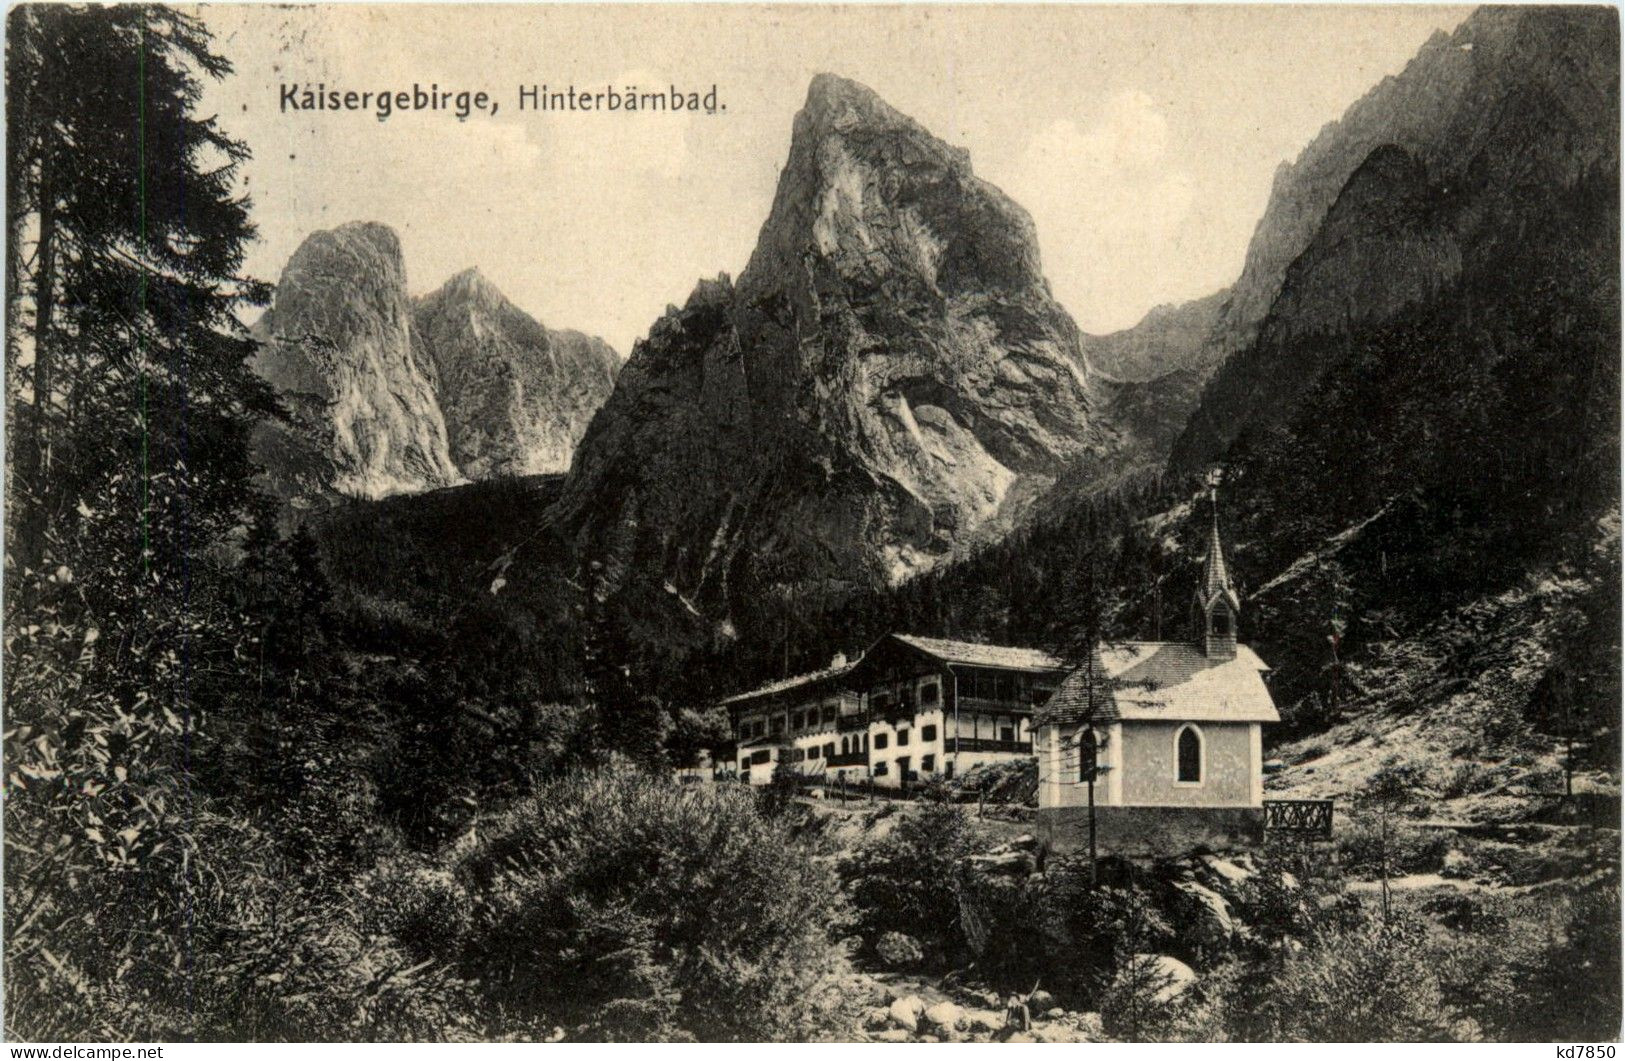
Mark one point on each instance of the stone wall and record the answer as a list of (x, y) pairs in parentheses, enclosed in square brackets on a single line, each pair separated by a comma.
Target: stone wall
[(1152, 832)]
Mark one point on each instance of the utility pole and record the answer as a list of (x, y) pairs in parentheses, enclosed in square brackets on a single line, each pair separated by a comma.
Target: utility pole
[(1087, 761)]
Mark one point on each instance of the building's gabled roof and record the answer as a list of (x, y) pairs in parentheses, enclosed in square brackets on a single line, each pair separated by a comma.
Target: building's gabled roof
[(1165, 680), (970, 653), (784, 685)]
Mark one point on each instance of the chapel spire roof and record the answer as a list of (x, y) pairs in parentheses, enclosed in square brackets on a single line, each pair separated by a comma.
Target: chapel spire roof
[(1215, 576), (1215, 573)]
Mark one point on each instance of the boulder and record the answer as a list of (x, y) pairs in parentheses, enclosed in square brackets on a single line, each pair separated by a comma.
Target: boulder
[(1060, 1032), (1230, 871), (905, 1012), (947, 1016), (1206, 921), (1177, 975), (892, 1035), (1007, 863), (877, 1018), (983, 1020), (1055, 1013), (1040, 1001)]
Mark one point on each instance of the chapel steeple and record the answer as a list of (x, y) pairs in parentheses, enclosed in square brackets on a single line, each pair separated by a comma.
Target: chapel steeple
[(1216, 608)]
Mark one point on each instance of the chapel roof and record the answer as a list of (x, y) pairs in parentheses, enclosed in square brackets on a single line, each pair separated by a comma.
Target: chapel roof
[(1165, 680)]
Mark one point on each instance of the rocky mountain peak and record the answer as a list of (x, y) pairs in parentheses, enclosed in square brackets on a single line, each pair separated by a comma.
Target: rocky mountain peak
[(471, 287), (888, 381), (867, 188), (516, 395), (839, 106), (337, 346)]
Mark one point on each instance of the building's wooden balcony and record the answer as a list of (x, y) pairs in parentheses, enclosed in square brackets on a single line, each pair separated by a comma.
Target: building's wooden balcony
[(986, 744), (969, 704), (851, 723), (838, 760)]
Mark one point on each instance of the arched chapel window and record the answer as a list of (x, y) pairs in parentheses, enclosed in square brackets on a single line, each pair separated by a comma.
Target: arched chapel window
[(1188, 746)]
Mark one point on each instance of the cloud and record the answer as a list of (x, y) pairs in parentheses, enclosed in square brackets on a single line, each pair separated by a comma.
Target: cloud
[(1113, 208)]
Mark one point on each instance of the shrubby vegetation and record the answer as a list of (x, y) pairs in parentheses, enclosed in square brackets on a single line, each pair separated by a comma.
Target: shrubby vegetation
[(620, 905), (907, 882)]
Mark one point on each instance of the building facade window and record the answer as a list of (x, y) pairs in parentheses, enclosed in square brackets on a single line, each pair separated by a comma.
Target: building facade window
[(928, 694), (880, 769), (928, 763), (880, 740), (928, 733), (1188, 756), (902, 737), (812, 753)]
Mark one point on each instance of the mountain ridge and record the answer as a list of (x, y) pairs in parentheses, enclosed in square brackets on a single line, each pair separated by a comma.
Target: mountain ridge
[(888, 378), (388, 394)]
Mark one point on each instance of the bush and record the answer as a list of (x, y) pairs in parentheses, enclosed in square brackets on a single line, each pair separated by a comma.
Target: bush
[(1096, 931), (1059, 930), (623, 906), (1371, 982), (1144, 1002), (1543, 967), (1410, 849), (898, 951), (907, 882)]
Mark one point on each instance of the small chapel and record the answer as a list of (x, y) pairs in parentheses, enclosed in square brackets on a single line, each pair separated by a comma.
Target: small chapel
[(1156, 747)]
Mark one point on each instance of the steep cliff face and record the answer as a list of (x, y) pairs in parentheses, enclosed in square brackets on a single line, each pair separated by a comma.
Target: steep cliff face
[(516, 396), (1460, 92), (1497, 144), (888, 380), (1168, 339), (336, 343)]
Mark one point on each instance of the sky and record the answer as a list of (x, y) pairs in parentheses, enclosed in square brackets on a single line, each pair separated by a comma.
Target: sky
[(1143, 140)]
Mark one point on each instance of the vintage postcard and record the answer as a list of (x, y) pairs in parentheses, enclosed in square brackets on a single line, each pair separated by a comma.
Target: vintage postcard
[(812, 523)]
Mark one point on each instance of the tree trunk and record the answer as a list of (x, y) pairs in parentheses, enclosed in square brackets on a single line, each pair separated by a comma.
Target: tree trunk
[(32, 453)]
